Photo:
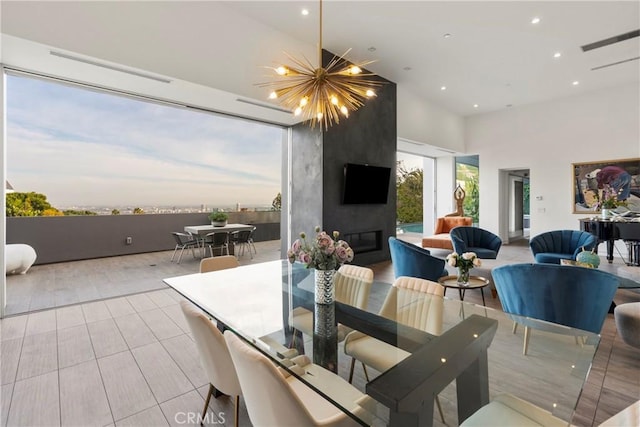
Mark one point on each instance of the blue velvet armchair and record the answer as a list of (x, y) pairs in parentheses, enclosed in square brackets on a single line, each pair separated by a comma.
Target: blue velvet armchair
[(552, 246), (473, 239), (571, 296), (413, 261)]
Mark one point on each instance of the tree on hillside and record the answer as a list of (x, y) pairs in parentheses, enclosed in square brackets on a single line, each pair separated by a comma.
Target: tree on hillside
[(409, 185), (52, 212), (138, 211), (276, 205), (27, 204), (115, 212)]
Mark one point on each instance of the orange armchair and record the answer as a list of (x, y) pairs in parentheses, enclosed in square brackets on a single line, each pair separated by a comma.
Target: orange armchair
[(441, 238)]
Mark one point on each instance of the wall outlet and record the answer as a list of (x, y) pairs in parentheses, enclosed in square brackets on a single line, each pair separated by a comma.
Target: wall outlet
[(129, 240)]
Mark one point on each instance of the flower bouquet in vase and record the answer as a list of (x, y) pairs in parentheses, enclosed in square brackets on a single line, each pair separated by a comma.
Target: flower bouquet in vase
[(609, 201), (325, 254), (464, 263)]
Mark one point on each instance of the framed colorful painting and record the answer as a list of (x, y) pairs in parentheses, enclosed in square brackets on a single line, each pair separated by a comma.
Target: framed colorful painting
[(614, 181)]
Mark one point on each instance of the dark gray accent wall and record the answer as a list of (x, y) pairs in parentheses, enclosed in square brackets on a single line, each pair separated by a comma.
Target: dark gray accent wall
[(368, 136), (70, 238), (306, 180)]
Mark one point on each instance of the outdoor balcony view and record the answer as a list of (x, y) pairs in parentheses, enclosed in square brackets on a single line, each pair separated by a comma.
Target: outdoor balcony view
[(83, 164), (78, 153)]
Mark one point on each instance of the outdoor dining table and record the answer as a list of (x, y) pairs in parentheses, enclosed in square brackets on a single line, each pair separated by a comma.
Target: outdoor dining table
[(477, 352), (200, 232), (203, 230)]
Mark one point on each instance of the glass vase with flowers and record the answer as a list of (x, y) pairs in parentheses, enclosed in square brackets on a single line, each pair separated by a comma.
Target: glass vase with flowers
[(464, 263), (608, 201), (325, 253)]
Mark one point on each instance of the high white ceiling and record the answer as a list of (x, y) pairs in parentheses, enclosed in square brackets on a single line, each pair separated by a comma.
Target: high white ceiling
[(495, 56)]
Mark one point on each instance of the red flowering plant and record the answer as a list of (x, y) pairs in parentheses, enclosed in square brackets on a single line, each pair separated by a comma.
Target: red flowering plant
[(325, 252)]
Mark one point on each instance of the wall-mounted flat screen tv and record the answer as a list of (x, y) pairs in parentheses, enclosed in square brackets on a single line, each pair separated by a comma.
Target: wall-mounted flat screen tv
[(365, 184)]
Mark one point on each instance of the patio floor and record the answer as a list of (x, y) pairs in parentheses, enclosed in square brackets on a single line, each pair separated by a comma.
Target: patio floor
[(60, 284)]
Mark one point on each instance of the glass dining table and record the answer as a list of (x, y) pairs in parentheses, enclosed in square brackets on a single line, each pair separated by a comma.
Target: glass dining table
[(476, 357)]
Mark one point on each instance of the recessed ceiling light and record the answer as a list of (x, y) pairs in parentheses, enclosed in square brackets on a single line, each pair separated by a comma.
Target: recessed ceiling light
[(557, 55), (575, 83), (305, 12), (443, 88), (447, 35), (535, 20), (475, 105), (372, 49)]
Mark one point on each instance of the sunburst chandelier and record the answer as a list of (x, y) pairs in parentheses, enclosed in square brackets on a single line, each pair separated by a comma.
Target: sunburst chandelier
[(321, 95)]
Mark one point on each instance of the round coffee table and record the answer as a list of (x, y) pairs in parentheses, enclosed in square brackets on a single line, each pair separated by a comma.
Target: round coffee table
[(475, 282)]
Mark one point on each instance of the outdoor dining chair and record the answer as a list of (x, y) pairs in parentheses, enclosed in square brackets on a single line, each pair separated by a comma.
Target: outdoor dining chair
[(183, 241), (217, 240), (242, 239)]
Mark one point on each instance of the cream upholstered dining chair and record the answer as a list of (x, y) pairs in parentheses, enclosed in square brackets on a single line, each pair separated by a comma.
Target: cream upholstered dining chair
[(509, 410), (353, 286), (214, 356), (414, 302), (276, 398), (218, 263)]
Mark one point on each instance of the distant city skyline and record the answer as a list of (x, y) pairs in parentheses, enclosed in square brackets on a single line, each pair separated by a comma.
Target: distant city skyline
[(90, 148)]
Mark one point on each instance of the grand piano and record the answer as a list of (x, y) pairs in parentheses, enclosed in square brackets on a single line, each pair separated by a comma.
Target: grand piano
[(610, 231)]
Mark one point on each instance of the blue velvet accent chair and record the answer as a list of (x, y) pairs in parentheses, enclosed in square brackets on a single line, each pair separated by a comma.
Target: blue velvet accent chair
[(413, 261), (552, 246), (577, 297), (473, 239)]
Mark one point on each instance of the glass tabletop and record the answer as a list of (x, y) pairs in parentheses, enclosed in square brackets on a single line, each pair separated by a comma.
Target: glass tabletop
[(257, 302)]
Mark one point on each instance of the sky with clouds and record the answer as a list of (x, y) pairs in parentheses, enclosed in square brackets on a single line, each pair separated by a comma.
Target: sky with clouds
[(87, 148)]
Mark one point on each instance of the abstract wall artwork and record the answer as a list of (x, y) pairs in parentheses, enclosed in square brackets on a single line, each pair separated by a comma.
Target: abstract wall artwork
[(616, 180)]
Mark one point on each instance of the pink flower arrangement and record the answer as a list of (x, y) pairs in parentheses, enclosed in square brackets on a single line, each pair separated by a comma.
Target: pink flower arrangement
[(324, 253), (610, 199)]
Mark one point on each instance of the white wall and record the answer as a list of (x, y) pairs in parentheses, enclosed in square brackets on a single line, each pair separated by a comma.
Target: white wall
[(547, 138), (420, 120)]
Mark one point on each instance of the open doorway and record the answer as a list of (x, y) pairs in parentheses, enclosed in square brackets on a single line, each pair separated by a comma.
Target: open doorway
[(519, 222), (415, 193)]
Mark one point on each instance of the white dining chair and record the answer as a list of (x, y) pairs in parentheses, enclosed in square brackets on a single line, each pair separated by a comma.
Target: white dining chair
[(276, 398), (218, 263), (214, 356), (353, 286), (414, 302)]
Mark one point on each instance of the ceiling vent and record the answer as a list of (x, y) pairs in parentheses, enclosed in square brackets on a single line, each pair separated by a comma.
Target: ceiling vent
[(260, 104), (611, 40), (599, 67)]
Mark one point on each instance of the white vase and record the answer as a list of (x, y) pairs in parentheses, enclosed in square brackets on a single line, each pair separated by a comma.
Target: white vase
[(606, 213)]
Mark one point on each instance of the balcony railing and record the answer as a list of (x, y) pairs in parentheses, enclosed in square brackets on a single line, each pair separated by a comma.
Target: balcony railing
[(71, 238)]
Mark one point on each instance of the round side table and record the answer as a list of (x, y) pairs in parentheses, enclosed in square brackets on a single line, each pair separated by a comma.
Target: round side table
[(475, 282)]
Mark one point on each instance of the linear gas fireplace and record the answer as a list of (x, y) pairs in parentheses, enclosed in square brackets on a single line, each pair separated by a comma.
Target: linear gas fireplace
[(364, 241)]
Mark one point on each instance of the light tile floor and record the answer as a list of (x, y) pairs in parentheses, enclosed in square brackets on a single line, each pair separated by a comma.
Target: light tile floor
[(124, 361)]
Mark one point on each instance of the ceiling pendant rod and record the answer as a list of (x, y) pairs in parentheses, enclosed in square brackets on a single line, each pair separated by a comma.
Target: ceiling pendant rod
[(320, 39)]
